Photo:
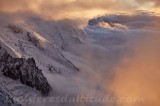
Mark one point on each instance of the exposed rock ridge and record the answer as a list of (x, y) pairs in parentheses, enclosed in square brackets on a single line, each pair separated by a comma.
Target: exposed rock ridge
[(24, 70)]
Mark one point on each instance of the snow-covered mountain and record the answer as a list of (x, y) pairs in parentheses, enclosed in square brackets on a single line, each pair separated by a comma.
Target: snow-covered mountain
[(41, 42), (60, 49), (58, 59)]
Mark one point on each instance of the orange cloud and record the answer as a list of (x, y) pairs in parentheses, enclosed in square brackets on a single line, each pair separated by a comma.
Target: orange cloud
[(156, 3), (139, 76), (64, 8)]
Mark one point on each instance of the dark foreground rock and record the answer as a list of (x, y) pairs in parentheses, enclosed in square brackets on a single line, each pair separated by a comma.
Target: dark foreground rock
[(24, 70)]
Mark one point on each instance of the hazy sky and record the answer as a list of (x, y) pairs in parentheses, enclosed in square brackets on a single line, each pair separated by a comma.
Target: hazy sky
[(76, 8)]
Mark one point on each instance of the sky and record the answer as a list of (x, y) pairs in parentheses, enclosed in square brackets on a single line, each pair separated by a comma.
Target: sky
[(60, 9)]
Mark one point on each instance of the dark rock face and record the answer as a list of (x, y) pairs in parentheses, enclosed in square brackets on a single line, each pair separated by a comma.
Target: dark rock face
[(24, 70), (15, 29), (92, 22), (34, 40)]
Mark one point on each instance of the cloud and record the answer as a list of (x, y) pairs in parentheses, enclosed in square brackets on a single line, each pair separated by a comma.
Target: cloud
[(18, 5), (136, 20), (156, 3), (64, 8), (137, 77)]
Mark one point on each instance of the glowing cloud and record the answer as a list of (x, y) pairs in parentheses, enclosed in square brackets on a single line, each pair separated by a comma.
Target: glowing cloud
[(61, 9), (138, 77)]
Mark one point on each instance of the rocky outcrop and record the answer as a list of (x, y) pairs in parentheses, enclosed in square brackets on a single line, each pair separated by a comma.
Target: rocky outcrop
[(15, 29), (34, 40), (24, 70), (92, 22), (6, 99)]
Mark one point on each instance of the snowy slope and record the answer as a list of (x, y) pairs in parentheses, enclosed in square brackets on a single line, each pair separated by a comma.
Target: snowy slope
[(51, 38), (45, 41)]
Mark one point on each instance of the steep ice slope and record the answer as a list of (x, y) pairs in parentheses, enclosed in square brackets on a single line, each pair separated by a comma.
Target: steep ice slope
[(43, 40)]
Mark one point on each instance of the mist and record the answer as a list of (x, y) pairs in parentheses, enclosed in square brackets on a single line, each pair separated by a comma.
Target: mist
[(71, 9), (127, 69), (139, 75), (120, 63)]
